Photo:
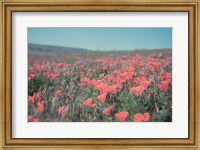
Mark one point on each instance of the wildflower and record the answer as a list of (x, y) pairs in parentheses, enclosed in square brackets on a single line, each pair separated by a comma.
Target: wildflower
[(154, 66), (31, 99), (146, 117), (102, 97), (89, 103), (31, 75), (37, 95), (121, 116), (62, 110), (145, 84), (151, 94), (111, 89), (57, 93), (106, 111), (85, 80), (40, 106), (101, 88), (129, 69), (139, 117), (124, 76), (31, 119), (137, 91), (163, 85)]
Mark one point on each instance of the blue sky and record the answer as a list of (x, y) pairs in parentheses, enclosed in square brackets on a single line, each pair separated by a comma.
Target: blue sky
[(103, 38)]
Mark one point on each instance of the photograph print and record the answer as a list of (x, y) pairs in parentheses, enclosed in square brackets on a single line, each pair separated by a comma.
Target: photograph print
[(95, 74)]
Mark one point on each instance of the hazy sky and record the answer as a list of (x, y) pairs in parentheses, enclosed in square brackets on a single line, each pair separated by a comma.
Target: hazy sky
[(103, 38)]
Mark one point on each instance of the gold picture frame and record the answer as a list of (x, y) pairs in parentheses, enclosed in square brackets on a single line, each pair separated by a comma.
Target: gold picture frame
[(9, 6)]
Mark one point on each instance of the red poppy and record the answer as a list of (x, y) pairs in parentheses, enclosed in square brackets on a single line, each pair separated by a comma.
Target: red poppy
[(31, 75), (101, 88), (119, 87), (146, 117), (89, 103), (102, 97), (163, 85), (138, 117), (166, 76), (145, 84), (154, 66), (31, 119), (85, 80), (111, 89), (130, 75), (93, 83), (58, 92), (151, 94), (62, 110), (31, 99), (129, 69), (40, 106), (124, 76), (37, 95), (106, 111), (110, 77), (121, 116), (104, 68), (137, 91)]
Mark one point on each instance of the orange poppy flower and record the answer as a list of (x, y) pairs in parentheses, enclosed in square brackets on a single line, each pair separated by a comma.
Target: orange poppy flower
[(137, 91), (154, 66), (163, 85), (121, 116), (124, 76), (31, 99), (111, 89), (31, 75), (89, 103), (146, 117), (37, 95), (62, 110), (138, 117), (85, 80), (31, 119), (102, 97), (151, 94), (58, 92), (145, 84), (130, 75), (40, 106), (106, 111), (119, 87), (129, 69), (101, 88)]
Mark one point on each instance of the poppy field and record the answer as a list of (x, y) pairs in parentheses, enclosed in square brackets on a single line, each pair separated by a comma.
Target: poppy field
[(97, 86)]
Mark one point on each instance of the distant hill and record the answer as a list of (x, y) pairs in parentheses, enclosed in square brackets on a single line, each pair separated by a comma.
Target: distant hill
[(46, 48)]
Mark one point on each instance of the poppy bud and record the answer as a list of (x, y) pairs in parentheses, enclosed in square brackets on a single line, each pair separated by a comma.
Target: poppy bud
[(151, 94)]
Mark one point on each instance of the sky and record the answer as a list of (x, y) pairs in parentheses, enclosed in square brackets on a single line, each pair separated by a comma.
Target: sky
[(102, 38)]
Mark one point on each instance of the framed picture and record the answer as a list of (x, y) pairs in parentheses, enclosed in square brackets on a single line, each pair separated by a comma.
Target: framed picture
[(107, 75)]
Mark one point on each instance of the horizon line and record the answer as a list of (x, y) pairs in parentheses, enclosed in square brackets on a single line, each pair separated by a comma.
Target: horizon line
[(114, 49)]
